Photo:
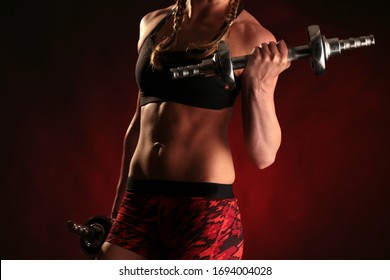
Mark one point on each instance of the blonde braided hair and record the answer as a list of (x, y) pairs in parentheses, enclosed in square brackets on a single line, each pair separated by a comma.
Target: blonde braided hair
[(205, 48)]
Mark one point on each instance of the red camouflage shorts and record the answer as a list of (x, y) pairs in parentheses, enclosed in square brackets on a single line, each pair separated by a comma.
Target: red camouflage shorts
[(162, 226)]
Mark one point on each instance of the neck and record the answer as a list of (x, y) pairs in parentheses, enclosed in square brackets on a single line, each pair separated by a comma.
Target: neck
[(203, 8)]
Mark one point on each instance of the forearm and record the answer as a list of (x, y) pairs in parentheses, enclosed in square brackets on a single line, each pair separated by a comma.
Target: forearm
[(261, 127)]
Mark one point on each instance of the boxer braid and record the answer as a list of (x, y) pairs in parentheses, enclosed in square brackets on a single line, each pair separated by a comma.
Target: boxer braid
[(169, 41), (206, 48)]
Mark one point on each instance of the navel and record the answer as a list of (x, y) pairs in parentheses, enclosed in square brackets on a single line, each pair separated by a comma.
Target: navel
[(159, 147)]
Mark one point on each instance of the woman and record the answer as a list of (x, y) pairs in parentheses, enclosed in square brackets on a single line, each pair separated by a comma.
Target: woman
[(174, 199)]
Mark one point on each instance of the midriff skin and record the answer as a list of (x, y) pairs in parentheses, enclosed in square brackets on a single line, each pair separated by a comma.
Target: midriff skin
[(183, 143)]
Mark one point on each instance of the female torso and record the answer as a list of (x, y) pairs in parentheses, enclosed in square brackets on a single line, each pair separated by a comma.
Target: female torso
[(181, 142)]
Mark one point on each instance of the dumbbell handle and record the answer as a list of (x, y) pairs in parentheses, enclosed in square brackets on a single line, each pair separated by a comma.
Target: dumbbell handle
[(335, 47), (84, 231), (92, 234)]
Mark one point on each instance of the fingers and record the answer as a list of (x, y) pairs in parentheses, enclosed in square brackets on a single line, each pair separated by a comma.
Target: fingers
[(272, 46), (274, 51), (282, 48), (262, 49), (267, 61)]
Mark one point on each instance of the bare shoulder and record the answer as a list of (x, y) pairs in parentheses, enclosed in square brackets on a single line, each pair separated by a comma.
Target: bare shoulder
[(150, 21), (153, 17), (247, 33)]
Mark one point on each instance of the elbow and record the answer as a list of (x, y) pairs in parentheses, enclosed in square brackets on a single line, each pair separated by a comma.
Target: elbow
[(264, 155), (264, 162), (263, 158)]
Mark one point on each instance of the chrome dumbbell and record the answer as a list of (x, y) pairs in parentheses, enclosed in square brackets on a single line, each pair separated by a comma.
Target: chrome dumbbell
[(92, 234), (319, 49)]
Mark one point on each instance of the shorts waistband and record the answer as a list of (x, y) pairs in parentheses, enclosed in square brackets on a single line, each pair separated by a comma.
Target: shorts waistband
[(180, 188)]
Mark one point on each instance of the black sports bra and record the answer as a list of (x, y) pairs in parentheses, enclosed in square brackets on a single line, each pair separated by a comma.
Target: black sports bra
[(158, 85)]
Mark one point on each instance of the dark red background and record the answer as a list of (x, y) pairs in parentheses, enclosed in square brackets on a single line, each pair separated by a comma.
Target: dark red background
[(69, 93)]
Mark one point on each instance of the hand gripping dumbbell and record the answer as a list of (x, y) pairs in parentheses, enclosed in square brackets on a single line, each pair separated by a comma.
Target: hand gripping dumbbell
[(92, 234), (319, 50)]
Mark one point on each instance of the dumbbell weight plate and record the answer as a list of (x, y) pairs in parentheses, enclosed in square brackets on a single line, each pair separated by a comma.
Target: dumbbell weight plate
[(92, 246)]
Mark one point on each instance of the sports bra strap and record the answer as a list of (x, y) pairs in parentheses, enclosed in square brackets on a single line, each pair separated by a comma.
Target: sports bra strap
[(162, 22)]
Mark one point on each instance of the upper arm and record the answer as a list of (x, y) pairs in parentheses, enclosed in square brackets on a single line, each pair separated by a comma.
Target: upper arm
[(143, 27), (246, 34)]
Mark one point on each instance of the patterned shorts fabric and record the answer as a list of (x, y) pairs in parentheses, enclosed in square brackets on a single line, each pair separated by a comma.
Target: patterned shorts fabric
[(179, 228)]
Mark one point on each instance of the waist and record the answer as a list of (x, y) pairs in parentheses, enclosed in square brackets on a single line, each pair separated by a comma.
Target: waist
[(181, 188), (203, 162)]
